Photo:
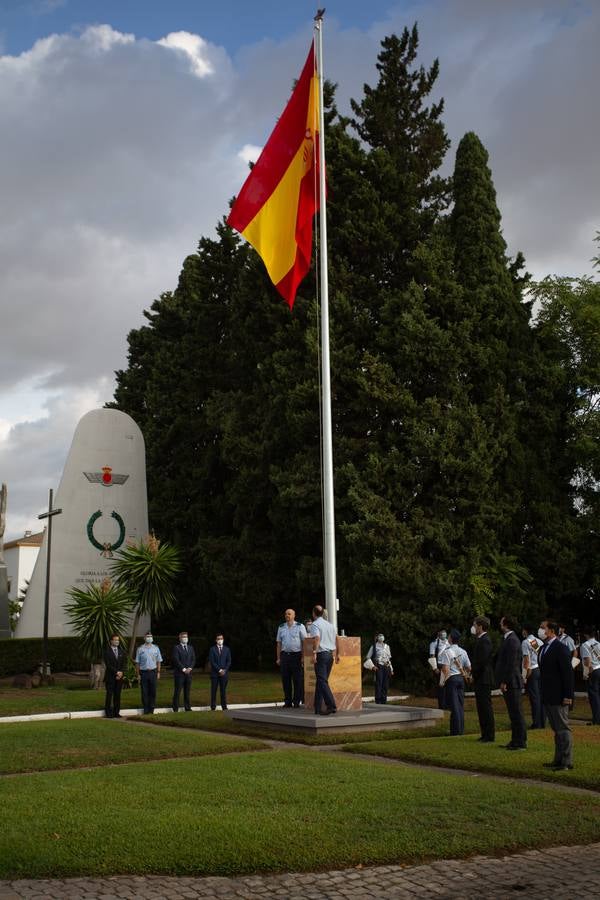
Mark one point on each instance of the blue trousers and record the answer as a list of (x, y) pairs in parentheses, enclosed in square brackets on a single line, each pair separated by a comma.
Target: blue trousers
[(455, 702), (382, 681), (593, 691), (323, 693), (291, 678), (533, 687), (221, 682), (148, 685)]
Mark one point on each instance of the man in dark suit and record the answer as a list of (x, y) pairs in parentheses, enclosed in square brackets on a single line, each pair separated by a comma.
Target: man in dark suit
[(183, 660), (483, 678), (510, 682), (557, 694), (115, 661), (219, 658)]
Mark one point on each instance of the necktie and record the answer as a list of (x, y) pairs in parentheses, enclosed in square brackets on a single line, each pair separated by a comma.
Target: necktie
[(116, 649)]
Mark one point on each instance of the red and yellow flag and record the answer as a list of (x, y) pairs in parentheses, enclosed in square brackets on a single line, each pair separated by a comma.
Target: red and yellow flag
[(275, 207)]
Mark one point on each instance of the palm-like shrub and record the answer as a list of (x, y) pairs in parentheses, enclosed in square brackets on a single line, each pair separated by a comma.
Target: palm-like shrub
[(146, 571), (97, 612)]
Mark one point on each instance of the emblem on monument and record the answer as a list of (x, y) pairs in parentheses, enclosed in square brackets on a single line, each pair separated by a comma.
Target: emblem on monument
[(105, 477), (106, 547)]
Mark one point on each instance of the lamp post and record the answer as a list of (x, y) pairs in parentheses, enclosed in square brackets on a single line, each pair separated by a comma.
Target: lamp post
[(47, 515)]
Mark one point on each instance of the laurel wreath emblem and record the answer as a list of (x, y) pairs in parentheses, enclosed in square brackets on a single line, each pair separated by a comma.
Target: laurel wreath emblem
[(107, 548)]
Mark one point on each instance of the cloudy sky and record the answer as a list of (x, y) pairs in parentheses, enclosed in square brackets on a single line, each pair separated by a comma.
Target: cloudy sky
[(126, 125)]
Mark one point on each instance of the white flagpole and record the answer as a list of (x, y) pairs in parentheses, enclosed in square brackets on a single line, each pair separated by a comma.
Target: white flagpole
[(327, 448)]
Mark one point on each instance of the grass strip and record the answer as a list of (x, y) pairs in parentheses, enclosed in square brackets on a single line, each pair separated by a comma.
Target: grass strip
[(72, 694), (218, 722), (67, 744), (466, 752), (270, 812)]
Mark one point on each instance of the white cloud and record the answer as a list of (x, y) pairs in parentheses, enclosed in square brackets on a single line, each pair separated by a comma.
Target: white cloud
[(193, 47), (249, 153)]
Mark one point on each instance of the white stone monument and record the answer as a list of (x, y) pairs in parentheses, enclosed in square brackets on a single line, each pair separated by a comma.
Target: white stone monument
[(104, 503)]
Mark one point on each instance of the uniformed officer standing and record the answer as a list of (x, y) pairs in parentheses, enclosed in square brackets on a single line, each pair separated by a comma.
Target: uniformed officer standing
[(530, 648), (567, 641), (439, 643), (590, 659), (289, 657), (381, 655), (148, 661), (455, 665), (326, 648)]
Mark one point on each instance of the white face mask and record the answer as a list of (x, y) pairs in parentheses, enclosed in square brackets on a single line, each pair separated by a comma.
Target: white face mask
[(184, 640), (219, 643), (473, 630), (148, 638), (542, 634), (380, 639), (443, 636)]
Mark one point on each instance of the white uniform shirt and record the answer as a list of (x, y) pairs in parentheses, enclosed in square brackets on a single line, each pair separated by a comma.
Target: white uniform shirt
[(437, 645), (327, 632), (591, 650), (380, 654), (567, 641), (530, 647), (451, 655)]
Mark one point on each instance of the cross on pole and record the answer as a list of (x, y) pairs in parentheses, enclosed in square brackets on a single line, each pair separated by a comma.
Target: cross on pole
[(47, 515)]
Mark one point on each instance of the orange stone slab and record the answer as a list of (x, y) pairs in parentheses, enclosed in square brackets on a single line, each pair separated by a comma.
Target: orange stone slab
[(345, 680)]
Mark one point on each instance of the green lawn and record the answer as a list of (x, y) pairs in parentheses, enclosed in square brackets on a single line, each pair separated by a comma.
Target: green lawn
[(466, 753), (278, 811), (36, 746), (72, 693)]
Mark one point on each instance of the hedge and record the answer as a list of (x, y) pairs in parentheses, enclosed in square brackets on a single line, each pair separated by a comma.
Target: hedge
[(24, 655)]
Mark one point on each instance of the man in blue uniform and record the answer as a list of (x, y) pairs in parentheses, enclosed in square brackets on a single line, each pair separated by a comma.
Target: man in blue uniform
[(148, 661), (289, 658), (325, 650)]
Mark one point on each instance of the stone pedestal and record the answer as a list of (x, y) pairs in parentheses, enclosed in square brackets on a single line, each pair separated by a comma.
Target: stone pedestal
[(4, 617), (346, 676)]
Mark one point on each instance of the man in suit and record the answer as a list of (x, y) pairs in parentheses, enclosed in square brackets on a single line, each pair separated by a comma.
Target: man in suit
[(183, 660), (219, 658), (115, 661), (510, 682), (557, 694), (483, 678)]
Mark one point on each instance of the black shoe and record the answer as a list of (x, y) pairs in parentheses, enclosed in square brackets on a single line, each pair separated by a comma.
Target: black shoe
[(561, 768), (117, 716), (287, 705), (508, 746), (329, 712), (516, 748), (213, 708), (487, 740), (188, 709), (551, 765), (175, 708), (110, 715), (296, 706), (224, 707)]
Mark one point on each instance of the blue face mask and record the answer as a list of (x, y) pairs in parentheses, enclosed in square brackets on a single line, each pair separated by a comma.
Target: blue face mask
[(149, 639)]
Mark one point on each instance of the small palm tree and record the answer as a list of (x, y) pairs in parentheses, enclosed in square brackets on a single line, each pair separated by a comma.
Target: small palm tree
[(146, 571), (97, 612)]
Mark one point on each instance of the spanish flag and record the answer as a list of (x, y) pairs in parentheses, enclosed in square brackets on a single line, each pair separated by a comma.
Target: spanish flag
[(275, 207)]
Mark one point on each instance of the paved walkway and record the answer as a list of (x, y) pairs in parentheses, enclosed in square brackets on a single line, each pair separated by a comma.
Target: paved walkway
[(558, 873)]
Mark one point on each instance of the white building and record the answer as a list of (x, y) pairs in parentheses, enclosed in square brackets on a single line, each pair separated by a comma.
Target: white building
[(20, 556)]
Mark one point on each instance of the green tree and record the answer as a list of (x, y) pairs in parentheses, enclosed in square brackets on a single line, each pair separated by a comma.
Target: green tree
[(96, 613), (145, 573)]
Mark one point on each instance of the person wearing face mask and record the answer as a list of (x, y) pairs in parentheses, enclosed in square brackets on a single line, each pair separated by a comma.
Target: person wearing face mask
[(381, 655), (483, 678), (438, 644), (558, 684), (590, 658), (115, 662), (183, 659), (219, 658), (455, 666), (510, 682), (148, 660)]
